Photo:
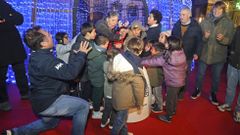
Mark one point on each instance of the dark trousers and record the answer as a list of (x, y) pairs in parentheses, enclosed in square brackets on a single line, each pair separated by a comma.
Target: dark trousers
[(216, 75), (21, 80), (184, 88), (97, 95), (86, 90), (108, 112), (171, 101)]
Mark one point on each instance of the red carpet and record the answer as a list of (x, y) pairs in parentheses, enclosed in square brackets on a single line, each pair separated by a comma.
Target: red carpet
[(194, 117)]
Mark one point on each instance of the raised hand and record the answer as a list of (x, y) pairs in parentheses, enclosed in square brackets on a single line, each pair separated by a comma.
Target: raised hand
[(84, 47), (162, 38), (195, 56)]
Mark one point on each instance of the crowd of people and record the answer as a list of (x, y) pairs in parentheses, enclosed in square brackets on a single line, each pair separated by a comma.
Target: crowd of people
[(101, 68)]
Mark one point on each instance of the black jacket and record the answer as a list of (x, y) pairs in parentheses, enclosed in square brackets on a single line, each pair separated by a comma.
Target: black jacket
[(191, 40), (153, 33), (83, 73), (234, 58), (48, 74), (12, 49)]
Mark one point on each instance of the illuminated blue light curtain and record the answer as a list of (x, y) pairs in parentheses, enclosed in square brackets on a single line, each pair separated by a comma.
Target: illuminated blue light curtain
[(56, 17), (52, 15), (81, 15)]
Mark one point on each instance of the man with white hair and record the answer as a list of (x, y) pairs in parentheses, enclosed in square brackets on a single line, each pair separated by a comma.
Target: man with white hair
[(106, 27), (189, 31)]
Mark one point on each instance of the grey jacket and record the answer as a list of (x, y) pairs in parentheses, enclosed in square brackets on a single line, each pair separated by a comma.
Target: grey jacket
[(214, 51), (63, 51)]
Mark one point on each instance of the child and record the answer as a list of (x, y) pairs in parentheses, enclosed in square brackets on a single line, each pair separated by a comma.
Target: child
[(147, 47), (128, 85), (154, 24), (95, 59), (118, 45), (136, 30), (87, 33), (63, 48), (108, 110), (156, 78), (46, 75), (174, 67)]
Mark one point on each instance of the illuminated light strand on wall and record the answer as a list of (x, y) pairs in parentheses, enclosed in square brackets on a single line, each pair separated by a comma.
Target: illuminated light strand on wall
[(56, 17)]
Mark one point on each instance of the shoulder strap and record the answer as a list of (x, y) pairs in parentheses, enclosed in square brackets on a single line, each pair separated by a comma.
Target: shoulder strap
[(135, 67)]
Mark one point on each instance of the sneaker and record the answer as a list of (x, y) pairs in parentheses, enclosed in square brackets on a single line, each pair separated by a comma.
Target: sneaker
[(130, 133), (196, 94), (97, 115), (165, 118), (213, 99), (7, 132), (236, 117), (157, 109), (224, 107), (101, 108), (5, 106), (110, 126), (90, 105), (104, 125)]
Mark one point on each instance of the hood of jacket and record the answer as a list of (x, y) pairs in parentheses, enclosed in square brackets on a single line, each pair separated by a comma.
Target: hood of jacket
[(176, 57)]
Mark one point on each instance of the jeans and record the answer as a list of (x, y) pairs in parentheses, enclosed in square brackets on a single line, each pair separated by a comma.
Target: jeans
[(233, 79), (21, 80), (108, 112), (64, 106), (216, 75), (157, 92), (120, 123)]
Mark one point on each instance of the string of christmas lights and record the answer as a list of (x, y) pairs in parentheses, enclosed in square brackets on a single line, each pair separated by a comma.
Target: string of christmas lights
[(52, 15)]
